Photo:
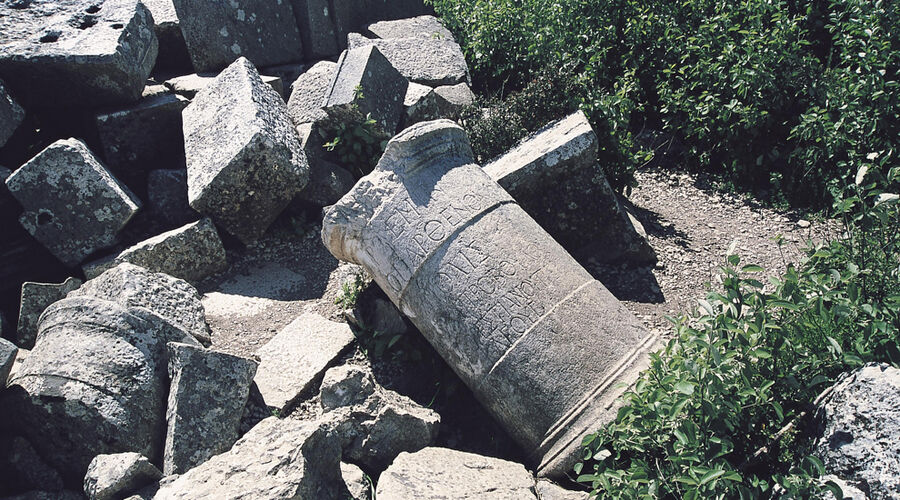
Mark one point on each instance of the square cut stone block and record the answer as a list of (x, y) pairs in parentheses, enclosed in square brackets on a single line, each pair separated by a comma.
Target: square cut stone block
[(73, 205), (244, 159)]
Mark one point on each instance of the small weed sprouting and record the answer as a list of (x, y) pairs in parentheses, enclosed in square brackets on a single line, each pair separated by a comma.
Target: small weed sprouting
[(350, 291)]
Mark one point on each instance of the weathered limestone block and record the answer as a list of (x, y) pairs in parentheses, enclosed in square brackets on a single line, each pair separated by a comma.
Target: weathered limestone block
[(287, 74), (309, 92), (206, 400), (244, 160), (189, 85), (419, 26), (861, 430), (174, 302), (8, 352), (429, 61), (298, 356), (374, 424), (366, 83), (73, 205), (11, 115), (76, 53), (191, 253), (439, 473), (167, 197), (324, 25), (93, 384), (581, 211), (34, 299), (497, 297), (455, 96), (356, 482), (423, 103), (142, 137), (173, 52), (547, 490), (277, 459), (218, 33), (115, 475)]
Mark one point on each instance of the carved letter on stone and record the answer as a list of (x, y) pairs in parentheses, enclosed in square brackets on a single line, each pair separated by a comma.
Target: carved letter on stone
[(542, 344)]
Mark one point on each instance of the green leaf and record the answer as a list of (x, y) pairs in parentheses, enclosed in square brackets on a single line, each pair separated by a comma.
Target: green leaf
[(711, 476), (685, 387), (752, 269)]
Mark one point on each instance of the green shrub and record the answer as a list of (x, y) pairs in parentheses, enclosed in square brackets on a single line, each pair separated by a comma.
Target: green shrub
[(750, 361)]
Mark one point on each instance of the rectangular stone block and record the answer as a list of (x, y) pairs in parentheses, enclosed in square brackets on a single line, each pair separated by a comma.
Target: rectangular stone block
[(76, 53), (11, 115), (308, 93), (173, 54), (429, 61), (73, 205), (244, 160), (218, 33), (188, 85), (582, 211), (366, 84)]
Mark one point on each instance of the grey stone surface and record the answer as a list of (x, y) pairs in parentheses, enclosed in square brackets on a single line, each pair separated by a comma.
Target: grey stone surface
[(356, 482), (429, 61), (581, 212), (218, 33), (327, 181), (172, 300), (456, 96), (848, 492), (191, 252), (309, 92), (73, 205), (8, 352), (206, 400), (419, 26), (35, 297), (375, 424), (189, 85), (141, 137), (322, 33), (861, 422), (440, 473), (244, 160), (288, 458), (547, 490), (93, 384), (474, 273), (11, 115), (287, 74), (22, 469), (422, 103), (366, 84), (298, 356), (47, 495), (76, 53), (167, 197), (115, 475), (172, 49)]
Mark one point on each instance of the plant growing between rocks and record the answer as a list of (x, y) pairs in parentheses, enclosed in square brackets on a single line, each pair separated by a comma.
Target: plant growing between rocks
[(356, 144)]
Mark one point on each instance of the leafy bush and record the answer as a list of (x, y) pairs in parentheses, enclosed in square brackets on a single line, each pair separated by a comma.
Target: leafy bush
[(750, 361), (786, 97), (356, 145)]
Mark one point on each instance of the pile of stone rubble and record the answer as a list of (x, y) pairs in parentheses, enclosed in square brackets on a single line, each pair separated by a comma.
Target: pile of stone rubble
[(142, 140)]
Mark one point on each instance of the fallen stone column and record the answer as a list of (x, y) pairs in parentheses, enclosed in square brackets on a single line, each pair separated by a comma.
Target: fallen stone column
[(542, 344)]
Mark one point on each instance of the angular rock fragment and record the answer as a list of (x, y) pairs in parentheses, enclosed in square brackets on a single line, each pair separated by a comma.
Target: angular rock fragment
[(173, 54), (422, 103), (244, 160), (92, 384), (191, 253), (75, 53), (547, 490), (206, 400), (309, 92), (167, 197), (287, 74), (455, 98), (581, 212), (861, 422), (171, 300), (141, 137), (8, 352), (295, 358), (419, 26), (116, 475), (366, 84), (34, 299), (429, 61), (327, 181), (11, 115), (439, 473), (356, 482), (319, 26), (498, 298), (73, 205), (22, 469), (276, 459), (375, 424), (189, 85), (218, 33)]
